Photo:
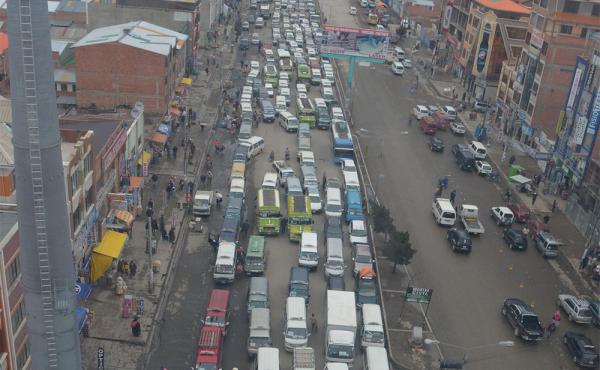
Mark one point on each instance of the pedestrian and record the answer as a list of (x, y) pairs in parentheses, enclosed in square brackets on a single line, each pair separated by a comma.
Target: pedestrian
[(164, 234), (444, 182), (218, 198), (172, 235), (452, 196), (245, 227), (553, 206), (132, 268), (507, 195), (154, 226), (533, 197), (174, 151), (512, 160), (596, 274), (126, 268), (283, 224), (209, 177), (546, 219), (324, 179), (136, 328), (313, 323), (241, 64), (150, 203), (202, 179), (551, 328), (439, 191), (464, 96), (206, 70)]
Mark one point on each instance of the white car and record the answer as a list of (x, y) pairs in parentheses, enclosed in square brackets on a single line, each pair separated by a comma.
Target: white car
[(483, 168), (353, 10), (316, 205), (358, 232), (577, 309), (348, 165), (301, 89), (259, 23), (407, 63), (270, 90), (255, 39), (286, 93), (280, 104), (284, 76), (307, 158), (254, 64), (420, 111), (457, 128), (312, 52), (398, 68), (283, 83)]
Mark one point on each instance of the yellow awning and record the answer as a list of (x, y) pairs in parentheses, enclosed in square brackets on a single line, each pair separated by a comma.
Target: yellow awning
[(109, 249), (145, 158), (186, 81)]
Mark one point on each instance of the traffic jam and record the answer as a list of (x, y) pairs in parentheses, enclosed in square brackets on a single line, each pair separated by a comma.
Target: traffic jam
[(290, 88)]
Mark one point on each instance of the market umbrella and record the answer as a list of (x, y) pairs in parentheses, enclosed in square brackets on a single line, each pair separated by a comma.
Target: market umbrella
[(381, 4)]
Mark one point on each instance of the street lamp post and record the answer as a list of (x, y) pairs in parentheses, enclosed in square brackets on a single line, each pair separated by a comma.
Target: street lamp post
[(502, 343)]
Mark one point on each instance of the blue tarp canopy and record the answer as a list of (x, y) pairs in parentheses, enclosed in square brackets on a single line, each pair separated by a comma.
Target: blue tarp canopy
[(165, 129), (81, 317), (83, 291)]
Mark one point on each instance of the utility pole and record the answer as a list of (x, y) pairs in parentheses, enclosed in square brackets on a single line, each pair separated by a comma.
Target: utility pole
[(149, 247)]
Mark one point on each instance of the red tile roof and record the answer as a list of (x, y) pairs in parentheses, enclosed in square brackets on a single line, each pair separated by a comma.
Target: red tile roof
[(505, 6), (3, 42)]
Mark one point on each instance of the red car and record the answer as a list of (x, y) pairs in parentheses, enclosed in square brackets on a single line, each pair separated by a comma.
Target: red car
[(218, 309), (210, 347), (428, 125), (441, 120), (521, 212), (535, 227)]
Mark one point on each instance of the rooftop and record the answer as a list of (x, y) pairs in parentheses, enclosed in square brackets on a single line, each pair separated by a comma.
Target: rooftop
[(139, 34), (71, 6), (58, 46), (102, 130), (6, 147), (505, 6), (7, 221)]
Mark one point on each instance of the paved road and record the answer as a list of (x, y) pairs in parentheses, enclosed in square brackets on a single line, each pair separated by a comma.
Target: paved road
[(468, 290)]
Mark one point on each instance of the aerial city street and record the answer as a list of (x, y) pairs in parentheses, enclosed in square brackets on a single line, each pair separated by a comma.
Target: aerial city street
[(300, 185)]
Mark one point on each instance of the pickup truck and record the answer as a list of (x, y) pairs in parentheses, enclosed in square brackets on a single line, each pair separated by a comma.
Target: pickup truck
[(469, 216), (304, 358)]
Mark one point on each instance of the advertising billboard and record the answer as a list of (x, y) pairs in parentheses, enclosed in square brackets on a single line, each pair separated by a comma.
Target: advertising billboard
[(355, 42)]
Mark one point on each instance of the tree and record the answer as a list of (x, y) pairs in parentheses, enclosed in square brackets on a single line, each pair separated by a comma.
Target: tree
[(398, 248), (382, 221)]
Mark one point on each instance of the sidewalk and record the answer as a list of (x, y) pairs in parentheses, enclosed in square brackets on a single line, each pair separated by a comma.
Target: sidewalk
[(108, 329), (559, 224)]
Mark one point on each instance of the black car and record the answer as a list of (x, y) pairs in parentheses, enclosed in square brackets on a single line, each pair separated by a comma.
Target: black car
[(436, 144), (298, 286), (336, 283), (515, 239), (244, 43), (464, 158), (459, 240), (525, 322), (333, 227), (582, 349), (366, 290), (595, 309)]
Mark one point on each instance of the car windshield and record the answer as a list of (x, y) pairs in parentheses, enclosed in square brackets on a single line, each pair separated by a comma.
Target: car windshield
[(214, 320), (296, 333), (361, 258), (310, 256), (585, 312), (530, 322), (359, 232), (333, 207), (206, 367), (374, 336)]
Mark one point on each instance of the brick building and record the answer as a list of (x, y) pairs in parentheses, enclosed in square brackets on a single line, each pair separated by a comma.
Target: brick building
[(14, 350), (146, 63), (557, 33)]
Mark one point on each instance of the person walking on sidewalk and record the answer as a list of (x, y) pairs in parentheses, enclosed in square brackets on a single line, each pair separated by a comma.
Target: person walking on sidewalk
[(136, 328), (553, 206), (533, 197), (154, 226), (218, 198), (172, 235), (209, 177), (452, 196), (132, 268)]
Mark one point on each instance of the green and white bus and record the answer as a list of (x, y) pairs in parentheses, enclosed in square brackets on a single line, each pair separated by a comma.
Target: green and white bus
[(306, 111), (269, 212)]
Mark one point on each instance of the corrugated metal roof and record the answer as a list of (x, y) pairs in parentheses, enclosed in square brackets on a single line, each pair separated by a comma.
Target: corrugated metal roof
[(138, 34), (64, 75), (58, 46), (5, 110), (7, 157)]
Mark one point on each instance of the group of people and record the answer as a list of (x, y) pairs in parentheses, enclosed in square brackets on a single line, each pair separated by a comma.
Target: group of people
[(127, 268), (590, 262)]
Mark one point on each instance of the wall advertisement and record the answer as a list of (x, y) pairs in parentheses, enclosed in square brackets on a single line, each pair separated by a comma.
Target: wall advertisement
[(355, 42)]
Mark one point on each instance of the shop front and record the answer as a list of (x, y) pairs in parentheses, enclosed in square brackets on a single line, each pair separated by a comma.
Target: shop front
[(106, 254)]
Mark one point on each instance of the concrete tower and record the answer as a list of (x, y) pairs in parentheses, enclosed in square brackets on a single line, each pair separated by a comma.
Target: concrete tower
[(48, 273)]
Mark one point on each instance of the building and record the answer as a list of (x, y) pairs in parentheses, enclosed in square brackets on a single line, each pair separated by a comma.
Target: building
[(14, 349), (182, 16), (495, 32), (576, 161), (557, 33), (424, 16), (146, 64), (7, 165)]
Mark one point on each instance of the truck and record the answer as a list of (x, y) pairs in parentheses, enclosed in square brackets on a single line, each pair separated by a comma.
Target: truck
[(300, 216), (340, 331), (469, 216), (202, 203), (269, 212), (210, 346), (304, 358)]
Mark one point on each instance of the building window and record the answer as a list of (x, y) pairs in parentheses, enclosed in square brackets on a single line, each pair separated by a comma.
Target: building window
[(516, 33), (76, 217), (544, 48), (571, 7), (544, 3), (58, 87), (534, 88), (88, 200), (530, 109), (566, 29), (13, 271), (75, 182), (23, 356), (475, 22), (17, 317), (539, 69), (70, 87), (596, 9), (539, 22), (87, 164), (584, 32)]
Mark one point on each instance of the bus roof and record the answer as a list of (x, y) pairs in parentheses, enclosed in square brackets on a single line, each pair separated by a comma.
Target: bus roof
[(298, 204), (256, 245)]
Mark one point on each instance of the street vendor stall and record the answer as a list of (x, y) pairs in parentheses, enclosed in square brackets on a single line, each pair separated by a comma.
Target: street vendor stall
[(107, 252)]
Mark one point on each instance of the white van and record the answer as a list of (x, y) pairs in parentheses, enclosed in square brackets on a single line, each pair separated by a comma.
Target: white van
[(225, 263), (267, 358), (309, 254), (237, 186), (364, 3), (334, 266), (333, 205), (372, 326), (259, 334), (351, 181), (280, 104), (320, 103), (246, 107), (307, 158), (270, 181), (255, 144), (296, 330), (398, 68), (399, 53), (376, 358), (478, 149), (288, 121), (443, 212), (337, 113)]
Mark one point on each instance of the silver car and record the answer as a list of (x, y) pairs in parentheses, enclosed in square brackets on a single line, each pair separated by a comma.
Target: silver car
[(577, 309)]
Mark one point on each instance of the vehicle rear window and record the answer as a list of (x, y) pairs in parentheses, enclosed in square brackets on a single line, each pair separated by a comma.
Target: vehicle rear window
[(448, 215)]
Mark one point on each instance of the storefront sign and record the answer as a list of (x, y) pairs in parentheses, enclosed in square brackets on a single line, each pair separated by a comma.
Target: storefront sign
[(595, 116), (100, 358), (575, 86), (580, 126), (537, 38), (418, 295), (447, 16), (109, 156), (482, 54)]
